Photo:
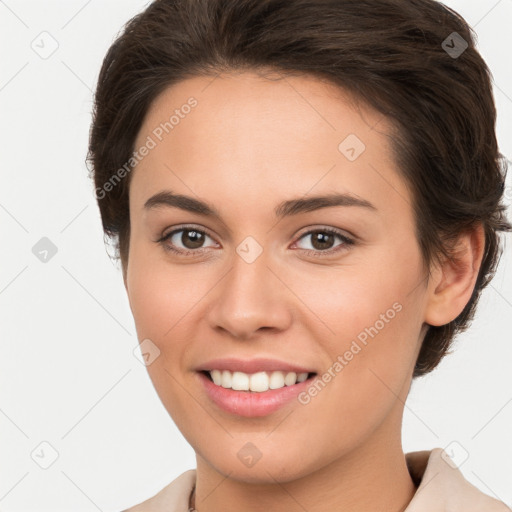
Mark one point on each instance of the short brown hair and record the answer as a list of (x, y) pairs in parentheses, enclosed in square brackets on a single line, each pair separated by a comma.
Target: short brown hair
[(393, 55)]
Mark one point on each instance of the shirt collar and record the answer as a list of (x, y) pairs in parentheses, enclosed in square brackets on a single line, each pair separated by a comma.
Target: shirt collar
[(443, 488)]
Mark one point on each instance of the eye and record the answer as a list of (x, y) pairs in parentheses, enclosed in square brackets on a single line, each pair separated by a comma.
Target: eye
[(190, 238), (322, 240), (192, 241)]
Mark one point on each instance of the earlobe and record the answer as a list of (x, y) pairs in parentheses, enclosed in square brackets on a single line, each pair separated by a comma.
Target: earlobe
[(453, 283)]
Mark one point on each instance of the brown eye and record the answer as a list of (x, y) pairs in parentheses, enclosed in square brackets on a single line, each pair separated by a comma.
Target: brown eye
[(323, 240), (185, 240), (192, 239)]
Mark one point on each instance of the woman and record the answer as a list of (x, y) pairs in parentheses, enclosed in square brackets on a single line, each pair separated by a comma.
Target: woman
[(306, 201)]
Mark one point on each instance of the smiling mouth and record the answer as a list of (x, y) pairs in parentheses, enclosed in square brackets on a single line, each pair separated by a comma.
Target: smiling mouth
[(256, 382)]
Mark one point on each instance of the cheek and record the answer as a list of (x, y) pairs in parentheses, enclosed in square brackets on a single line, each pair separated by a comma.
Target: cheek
[(371, 318), (366, 377), (160, 293), (163, 300), (376, 296)]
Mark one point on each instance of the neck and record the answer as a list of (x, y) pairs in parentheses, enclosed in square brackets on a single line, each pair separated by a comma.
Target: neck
[(370, 478)]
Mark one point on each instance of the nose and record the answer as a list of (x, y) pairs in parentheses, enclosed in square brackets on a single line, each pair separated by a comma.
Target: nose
[(250, 299)]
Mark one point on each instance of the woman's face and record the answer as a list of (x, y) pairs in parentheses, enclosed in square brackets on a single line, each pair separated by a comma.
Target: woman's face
[(335, 290)]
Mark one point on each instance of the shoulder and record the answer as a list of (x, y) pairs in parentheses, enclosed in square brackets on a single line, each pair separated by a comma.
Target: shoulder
[(442, 486), (174, 497)]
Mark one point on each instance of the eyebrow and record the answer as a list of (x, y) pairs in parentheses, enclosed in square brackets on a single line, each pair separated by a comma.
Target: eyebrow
[(287, 208)]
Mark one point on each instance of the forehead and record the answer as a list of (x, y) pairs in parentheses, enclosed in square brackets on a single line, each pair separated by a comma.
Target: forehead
[(248, 106), (264, 138)]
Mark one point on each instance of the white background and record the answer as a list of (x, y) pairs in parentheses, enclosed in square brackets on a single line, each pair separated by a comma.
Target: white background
[(68, 375)]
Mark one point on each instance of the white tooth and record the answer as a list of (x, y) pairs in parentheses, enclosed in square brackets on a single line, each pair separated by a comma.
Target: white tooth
[(301, 377), (276, 380), (216, 376), (240, 381), (226, 379), (258, 382), (290, 379)]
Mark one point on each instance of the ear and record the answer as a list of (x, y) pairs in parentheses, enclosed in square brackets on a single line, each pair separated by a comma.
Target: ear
[(453, 282)]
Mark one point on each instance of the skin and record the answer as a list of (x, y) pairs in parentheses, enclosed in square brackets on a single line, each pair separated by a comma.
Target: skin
[(249, 144)]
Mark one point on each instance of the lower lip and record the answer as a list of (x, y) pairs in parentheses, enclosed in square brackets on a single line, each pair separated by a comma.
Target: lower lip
[(251, 404)]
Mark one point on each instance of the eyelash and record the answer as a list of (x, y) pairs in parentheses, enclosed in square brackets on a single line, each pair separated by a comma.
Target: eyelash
[(346, 241)]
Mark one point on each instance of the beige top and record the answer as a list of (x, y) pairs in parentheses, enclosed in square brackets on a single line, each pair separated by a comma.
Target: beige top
[(442, 488)]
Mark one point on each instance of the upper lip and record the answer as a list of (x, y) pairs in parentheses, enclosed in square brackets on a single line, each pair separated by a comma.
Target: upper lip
[(252, 365)]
